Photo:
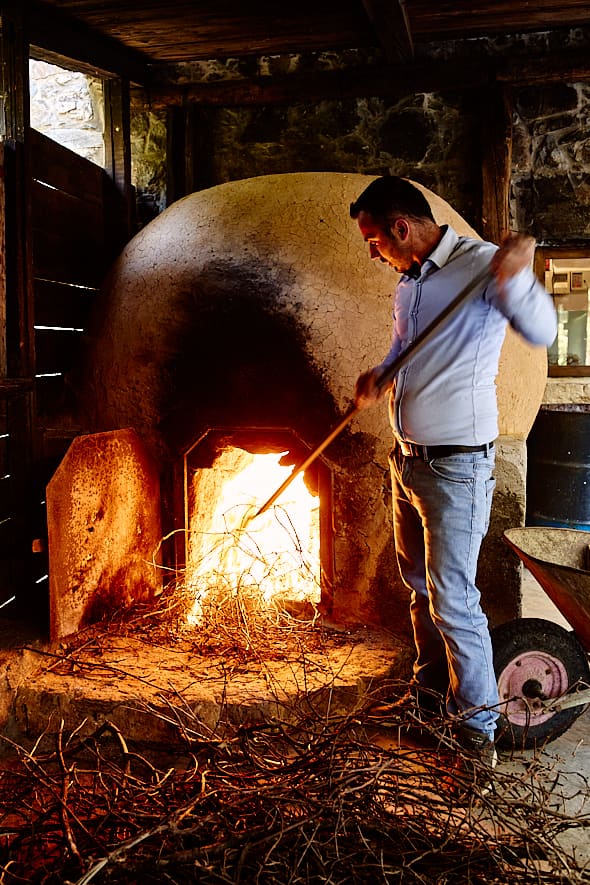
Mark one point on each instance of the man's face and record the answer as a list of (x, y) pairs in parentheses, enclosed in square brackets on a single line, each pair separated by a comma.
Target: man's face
[(389, 245)]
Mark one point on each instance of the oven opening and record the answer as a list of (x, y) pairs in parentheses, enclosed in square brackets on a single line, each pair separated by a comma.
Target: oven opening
[(278, 562)]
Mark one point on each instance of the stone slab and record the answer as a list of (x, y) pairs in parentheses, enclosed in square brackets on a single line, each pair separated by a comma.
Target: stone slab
[(141, 688)]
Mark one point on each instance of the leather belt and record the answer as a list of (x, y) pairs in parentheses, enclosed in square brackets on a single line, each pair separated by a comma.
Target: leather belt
[(429, 453)]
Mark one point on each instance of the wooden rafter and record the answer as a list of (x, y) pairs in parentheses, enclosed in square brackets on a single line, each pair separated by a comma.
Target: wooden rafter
[(390, 80), (392, 30), (56, 37)]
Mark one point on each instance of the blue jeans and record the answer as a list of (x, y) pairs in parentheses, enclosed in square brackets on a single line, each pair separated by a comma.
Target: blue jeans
[(441, 515)]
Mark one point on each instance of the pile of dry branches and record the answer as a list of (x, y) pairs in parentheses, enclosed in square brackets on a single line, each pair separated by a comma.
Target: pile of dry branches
[(321, 799), (316, 797)]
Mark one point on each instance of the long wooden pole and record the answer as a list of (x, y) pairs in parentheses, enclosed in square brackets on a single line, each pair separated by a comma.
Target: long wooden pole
[(484, 277)]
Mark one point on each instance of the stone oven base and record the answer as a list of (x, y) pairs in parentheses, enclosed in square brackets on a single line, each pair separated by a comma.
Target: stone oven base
[(143, 689)]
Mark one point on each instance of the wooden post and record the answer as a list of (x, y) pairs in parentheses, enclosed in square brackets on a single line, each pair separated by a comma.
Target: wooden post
[(117, 140), (176, 167), (190, 150), (17, 354), (14, 88), (200, 148), (496, 134)]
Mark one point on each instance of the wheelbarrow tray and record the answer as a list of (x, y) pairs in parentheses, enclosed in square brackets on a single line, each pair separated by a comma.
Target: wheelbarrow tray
[(559, 559)]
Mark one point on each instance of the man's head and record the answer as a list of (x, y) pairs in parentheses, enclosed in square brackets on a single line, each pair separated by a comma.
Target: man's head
[(396, 221), (390, 196)]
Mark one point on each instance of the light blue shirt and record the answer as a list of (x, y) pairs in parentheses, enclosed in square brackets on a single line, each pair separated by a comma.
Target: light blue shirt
[(446, 393)]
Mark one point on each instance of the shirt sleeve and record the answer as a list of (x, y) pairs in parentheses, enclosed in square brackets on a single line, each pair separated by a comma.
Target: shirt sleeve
[(527, 306), (393, 353)]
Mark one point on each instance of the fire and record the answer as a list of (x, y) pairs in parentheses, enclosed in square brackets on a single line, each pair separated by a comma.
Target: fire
[(275, 556)]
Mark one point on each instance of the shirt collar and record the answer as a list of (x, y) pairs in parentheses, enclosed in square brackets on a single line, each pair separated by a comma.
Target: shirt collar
[(441, 253)]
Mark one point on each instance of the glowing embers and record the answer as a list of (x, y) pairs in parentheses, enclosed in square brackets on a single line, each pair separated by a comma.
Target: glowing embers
[(270, 561)]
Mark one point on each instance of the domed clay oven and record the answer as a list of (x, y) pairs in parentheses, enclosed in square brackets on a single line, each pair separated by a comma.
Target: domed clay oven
[(251, 308)]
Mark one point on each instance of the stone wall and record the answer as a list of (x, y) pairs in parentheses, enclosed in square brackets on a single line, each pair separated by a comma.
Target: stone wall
[(429, 137), (68, 107), (551, 162), (148, 160)]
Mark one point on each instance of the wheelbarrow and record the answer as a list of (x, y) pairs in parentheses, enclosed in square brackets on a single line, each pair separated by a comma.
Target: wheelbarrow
[(542, 668)]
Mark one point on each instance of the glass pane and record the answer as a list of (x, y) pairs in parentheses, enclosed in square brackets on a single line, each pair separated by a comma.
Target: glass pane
[(568, 280)]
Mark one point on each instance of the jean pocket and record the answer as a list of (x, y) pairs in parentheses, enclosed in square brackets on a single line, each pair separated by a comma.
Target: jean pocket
[(455, 468), (459, 468)]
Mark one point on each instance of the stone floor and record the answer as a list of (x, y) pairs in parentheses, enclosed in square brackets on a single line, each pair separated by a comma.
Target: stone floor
[(570, 756)]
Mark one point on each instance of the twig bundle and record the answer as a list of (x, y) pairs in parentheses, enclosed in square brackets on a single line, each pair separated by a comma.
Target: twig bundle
[(326, 799), (307, 799)]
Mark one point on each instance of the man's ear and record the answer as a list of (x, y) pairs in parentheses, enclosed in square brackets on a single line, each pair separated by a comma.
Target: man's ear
[(402, 228)]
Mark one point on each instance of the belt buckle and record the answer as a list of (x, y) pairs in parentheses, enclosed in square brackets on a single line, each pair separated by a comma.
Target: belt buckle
[(407, 448)]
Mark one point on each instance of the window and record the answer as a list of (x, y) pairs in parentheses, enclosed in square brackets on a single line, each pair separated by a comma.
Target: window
[(68, 107), (566, 276)]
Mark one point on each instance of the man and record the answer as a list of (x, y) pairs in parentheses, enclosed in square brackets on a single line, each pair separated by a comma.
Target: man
[(443, 413)]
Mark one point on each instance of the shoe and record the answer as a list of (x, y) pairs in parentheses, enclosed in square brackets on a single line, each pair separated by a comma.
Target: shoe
[(474, 762)]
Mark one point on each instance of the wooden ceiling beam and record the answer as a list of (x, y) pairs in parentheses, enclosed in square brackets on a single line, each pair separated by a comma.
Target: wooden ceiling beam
[(449, 20), (62, 39), (392, 29), (384, 80), (572, 66), (392, 81)]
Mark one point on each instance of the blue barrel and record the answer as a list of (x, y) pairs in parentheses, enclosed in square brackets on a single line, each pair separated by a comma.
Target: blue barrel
[(558, 468)]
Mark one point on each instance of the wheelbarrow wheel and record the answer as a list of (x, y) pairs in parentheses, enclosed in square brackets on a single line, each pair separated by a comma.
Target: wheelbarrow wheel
[(534, 660)]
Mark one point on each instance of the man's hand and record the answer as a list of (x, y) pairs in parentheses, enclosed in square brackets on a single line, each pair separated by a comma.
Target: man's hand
[(367, 391), (515, 253)]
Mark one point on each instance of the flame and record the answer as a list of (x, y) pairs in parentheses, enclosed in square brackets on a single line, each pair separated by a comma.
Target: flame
[(277, 554)]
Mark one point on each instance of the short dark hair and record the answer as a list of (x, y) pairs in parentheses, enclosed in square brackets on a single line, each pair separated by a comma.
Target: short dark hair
[(388, 197)]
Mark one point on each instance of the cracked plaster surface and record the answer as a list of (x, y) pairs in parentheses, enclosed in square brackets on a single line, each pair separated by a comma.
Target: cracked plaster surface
[(290, 231)]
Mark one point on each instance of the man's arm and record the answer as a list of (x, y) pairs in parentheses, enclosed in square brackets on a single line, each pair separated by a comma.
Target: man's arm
[(519, 295)]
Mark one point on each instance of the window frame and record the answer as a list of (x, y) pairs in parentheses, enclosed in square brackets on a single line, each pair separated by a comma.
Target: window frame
[(541, 254)]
